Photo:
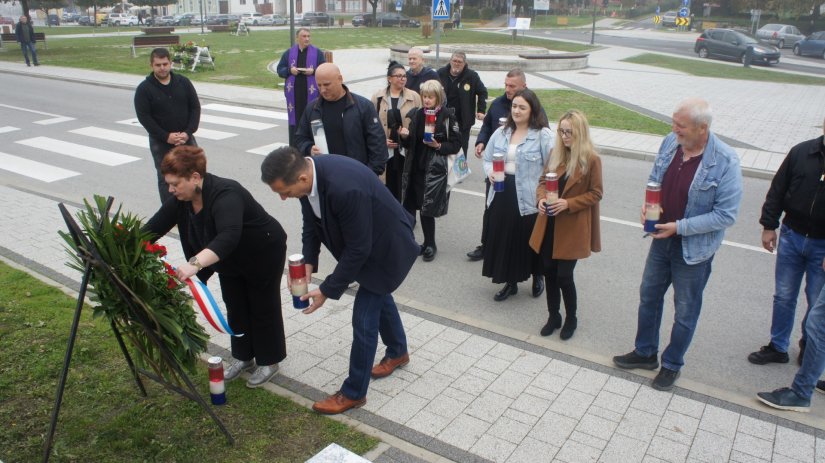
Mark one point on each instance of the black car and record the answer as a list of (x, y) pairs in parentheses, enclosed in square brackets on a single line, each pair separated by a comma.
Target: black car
[(397, 20), (85, 21), (362, 20), (54, 20), (731, 44), (317, 19)]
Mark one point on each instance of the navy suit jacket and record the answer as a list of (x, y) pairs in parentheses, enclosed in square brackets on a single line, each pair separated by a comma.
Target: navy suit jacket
[(361, 224)]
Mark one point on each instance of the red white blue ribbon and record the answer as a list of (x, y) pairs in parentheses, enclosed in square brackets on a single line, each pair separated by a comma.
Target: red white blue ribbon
[(209, 307)]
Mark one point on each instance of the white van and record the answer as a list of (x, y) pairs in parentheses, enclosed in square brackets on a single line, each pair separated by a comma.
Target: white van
[(251, 19)]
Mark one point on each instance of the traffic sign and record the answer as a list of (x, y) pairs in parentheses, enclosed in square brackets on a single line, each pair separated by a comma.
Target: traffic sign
[(682, 21), (684, 12), (398, 6), (441, 9), (657, 19), (658, 10)]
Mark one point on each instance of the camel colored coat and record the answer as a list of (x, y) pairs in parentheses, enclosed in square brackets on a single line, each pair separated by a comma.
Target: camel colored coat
[(577, 231)]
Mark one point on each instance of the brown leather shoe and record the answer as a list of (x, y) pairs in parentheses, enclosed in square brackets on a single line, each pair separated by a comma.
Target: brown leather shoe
[(337, 403), (388, 365)]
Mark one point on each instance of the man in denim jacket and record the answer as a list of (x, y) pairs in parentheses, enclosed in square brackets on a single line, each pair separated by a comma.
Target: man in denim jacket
[(701, 189)]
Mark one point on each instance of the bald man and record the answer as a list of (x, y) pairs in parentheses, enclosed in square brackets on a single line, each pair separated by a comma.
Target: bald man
[(351, 125), (418, 73)]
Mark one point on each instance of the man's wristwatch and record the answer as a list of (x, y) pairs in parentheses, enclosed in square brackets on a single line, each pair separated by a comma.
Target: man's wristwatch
[(194, 261)]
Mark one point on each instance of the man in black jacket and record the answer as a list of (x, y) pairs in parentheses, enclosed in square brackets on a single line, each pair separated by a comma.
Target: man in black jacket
[(466, 93), (418, 72), (798, 190), (24, 32), (514, 82), (167, 106), (350, 123)]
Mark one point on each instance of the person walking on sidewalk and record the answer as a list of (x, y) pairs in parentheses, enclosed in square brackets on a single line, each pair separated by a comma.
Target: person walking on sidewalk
[(466, 94), (498, 112), (297, 66), (797, 190), (701, 185), (797, 398), (417, 74), (347, 208), (167, 106), (24, 33), (568, 229), (223, 229), (526, 141)]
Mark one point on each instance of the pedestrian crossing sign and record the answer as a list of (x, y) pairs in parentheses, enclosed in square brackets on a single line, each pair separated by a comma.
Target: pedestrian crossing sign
[(441, 9)]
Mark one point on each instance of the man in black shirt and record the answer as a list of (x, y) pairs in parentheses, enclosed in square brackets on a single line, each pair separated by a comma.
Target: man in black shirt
[(418, 73), (466, 93), (167, 106), (350, 123)]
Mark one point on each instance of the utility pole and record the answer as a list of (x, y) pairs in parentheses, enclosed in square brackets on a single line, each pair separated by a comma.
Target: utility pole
[(593, 31)]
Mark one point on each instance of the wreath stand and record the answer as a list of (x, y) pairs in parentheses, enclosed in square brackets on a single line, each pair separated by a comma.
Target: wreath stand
[(90, 256)]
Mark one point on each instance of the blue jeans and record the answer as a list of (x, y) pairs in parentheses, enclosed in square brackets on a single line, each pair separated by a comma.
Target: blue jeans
[(372, 314), (813, 363), (795, 255), (665, 266), (29, 48)]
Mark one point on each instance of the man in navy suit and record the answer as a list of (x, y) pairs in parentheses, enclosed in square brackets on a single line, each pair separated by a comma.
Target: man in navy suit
[(347, 208)]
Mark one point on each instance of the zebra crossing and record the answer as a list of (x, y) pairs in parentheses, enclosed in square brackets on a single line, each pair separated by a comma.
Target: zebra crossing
[(66, 148)]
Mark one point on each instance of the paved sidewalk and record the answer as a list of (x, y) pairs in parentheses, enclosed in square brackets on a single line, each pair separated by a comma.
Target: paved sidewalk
[(474, 395)]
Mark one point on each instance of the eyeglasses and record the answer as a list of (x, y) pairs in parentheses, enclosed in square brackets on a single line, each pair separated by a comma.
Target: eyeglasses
[(565, 132), (400, 76)]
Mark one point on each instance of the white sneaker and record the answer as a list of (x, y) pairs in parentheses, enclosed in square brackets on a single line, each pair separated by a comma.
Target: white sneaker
[(236, 368), (262, 375)]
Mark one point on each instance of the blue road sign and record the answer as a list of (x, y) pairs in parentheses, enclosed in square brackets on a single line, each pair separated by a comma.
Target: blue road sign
[(683, 12), (685, 2), (441, 9), (658, 10), (398, 5)]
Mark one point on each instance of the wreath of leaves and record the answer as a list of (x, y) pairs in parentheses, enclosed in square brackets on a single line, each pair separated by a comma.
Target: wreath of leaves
[(160, 298)]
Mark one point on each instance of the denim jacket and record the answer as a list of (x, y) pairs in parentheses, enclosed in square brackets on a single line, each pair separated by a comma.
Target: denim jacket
[(531, 155), (713, 198)]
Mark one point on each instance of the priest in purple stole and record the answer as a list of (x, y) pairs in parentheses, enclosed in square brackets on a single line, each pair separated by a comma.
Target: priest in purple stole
[(298, 66)]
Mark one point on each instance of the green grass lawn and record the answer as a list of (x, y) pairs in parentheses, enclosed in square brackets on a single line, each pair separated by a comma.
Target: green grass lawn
[(717, 69), (105, 419), (541, 21)]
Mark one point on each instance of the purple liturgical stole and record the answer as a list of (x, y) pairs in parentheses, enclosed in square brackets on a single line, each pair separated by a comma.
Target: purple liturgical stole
[(312, 90)]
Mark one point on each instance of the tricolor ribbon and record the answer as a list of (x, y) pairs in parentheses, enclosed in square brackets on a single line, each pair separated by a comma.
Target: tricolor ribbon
[(209, 307)]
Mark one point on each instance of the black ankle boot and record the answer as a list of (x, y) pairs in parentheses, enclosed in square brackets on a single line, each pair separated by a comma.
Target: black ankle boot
[(553, 322), (508, 290), (538, 285), (570, 324)]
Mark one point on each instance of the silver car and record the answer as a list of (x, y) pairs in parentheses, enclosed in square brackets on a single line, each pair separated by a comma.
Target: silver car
[(779, 35)]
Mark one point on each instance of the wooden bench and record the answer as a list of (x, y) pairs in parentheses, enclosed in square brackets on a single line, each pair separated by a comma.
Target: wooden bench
[(153, 41), (39, 37), (155, 30), (219, 28)]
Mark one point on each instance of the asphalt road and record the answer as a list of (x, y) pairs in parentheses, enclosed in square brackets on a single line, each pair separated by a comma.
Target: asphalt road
[(737, 301)]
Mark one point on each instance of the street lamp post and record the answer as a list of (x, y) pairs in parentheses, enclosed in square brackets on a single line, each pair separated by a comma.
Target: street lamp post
[(593, 32), (202, 21)]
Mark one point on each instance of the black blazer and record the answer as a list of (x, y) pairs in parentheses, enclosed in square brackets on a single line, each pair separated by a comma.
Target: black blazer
[(361, 224), (248, 241)]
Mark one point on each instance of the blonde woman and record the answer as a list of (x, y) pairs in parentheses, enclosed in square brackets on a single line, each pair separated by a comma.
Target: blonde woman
[(424, 180), (392, 103), (569, 228)]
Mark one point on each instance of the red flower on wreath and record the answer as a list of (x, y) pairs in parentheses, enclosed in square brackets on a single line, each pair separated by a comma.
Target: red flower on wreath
[(152, 248), (171, 283)]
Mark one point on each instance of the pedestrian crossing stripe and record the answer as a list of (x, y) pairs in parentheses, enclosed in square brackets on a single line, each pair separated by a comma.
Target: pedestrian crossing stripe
[(33, 169), (232, 122), (266, 149), (207, 134), (246, 111), (8, 129), (53, 118), (86, 153), (141, 141)]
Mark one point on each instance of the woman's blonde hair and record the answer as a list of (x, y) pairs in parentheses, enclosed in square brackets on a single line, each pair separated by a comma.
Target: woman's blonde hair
[(434, 88), (580, 151)]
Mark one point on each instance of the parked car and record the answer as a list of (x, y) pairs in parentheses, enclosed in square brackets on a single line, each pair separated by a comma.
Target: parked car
[(54, 20), (814, 44), (85, 21), (164, 21), (396, 20), (122, 19), (317, 19), (362, 20), (779, 35), (669, 19), (251, 19), (273, 20), (731, 44), (70, 17), (185, 19)]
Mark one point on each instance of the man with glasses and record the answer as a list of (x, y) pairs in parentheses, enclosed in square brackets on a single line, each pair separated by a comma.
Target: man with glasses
[(701, 185), (796, 190), (514, 82), (418, 73), (466, 93)]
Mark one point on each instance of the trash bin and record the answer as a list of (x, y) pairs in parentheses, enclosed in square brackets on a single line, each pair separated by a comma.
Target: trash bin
[(341, 22), (426, 30), (328, 56), (748, 56)]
